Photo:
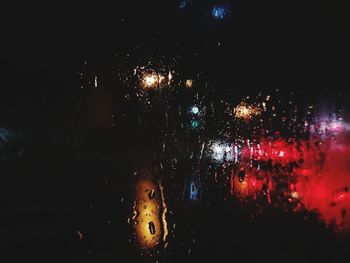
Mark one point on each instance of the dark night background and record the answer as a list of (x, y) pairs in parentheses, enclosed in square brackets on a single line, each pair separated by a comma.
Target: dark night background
[(71, 178)]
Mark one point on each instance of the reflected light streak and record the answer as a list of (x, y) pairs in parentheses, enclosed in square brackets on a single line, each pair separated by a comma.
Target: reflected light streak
[(165, 210), (147, 224)]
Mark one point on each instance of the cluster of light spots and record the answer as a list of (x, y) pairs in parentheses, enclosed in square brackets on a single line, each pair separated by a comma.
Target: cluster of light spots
[(307, 173), (274, 150), (150, 80), (221, 151), (327, 124), (220, 12), (196, 113), (278, 169), (245, 111)]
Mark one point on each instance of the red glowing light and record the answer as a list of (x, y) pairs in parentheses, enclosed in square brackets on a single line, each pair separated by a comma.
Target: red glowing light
[(318, 180)]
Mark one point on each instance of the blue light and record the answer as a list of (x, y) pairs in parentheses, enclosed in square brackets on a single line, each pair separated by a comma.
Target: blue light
[(183, 3), (193, 192), (220, 12)]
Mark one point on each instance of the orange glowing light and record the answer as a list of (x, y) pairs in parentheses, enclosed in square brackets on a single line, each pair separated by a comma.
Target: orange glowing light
[(170, 77), (189, 83), (149, 213), (150, 80), (147, 224), (165, 210), (245, 111)]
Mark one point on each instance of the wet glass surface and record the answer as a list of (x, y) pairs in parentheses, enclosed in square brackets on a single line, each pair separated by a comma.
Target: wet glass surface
[(185, 131)]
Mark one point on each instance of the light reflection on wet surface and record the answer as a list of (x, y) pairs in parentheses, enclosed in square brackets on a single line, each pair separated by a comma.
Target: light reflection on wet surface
[(149, 211)]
